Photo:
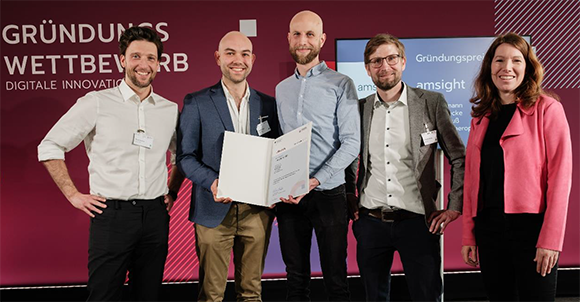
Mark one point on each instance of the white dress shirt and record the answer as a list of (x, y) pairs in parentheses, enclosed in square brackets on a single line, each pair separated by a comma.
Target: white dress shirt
[(239, 117), (392, 180), (106, 121)]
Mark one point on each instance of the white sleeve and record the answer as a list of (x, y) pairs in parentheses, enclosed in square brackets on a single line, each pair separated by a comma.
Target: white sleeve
[(71, 129)]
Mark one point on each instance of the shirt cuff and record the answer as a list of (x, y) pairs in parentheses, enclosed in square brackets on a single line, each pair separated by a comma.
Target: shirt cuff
[(46, 152), (322, 176)]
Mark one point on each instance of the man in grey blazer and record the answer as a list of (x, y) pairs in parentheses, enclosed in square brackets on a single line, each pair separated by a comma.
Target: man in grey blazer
[(220, 224), (397, 189)]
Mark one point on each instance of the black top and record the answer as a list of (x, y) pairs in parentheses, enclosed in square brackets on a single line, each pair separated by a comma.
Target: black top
[(491, 188)]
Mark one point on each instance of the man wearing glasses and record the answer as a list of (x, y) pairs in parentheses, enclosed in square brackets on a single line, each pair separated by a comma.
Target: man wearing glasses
[(395, 209)]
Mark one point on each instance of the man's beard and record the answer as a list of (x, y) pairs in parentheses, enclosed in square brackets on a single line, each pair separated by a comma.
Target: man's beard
[(314, 51), (386, 84), (133, 77)]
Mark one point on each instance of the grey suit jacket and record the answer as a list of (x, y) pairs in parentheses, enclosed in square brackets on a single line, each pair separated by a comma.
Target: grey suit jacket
[(424, 107)]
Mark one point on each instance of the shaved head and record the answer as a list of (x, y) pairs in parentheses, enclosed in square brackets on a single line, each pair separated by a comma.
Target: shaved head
[(310, 17), (235, 57), (306, 38), (235, 37)]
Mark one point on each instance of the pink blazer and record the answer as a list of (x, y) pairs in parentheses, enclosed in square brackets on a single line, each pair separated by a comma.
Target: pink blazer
[(538, 169)]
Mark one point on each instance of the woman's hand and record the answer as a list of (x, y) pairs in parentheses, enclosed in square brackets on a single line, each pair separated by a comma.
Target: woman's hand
[(545, 260), (469, 253)]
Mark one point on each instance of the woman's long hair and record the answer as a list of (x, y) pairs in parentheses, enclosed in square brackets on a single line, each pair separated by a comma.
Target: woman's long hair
[(486, 96)]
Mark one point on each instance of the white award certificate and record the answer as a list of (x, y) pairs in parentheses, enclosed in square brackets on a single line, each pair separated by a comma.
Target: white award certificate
[(258, 170)]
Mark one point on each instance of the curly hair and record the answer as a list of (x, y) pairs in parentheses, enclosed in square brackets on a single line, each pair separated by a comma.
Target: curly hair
[(486, 96), (137, 33)]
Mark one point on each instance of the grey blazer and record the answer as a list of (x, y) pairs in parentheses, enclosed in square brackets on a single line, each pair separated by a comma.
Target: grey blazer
[(424, 107)]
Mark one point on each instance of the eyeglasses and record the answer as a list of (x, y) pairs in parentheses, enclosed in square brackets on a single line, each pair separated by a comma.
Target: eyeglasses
[(378, 62)]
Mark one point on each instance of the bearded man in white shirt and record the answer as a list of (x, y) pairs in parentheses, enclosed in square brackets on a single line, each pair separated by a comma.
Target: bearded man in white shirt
[(127, 131)]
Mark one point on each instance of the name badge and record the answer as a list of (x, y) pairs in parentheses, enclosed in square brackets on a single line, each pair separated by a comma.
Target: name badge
[(263, 127), (429, 137), (142, 140)]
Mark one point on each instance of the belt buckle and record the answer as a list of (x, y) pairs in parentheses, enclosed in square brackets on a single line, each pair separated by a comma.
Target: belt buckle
[(384, 212)]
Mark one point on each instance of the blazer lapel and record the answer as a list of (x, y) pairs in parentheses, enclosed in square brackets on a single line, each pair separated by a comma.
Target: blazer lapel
[(367, 109), (416, 123), (255, 110), (221, 105), (479, 132), (515, 127)]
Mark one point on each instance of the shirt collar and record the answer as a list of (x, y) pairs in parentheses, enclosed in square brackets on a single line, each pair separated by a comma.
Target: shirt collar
[(129, 94), (314, 71), (402, 98), (246, 96)]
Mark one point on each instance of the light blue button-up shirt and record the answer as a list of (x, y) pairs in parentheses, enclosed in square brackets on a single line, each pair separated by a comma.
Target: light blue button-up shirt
[(329, 100)]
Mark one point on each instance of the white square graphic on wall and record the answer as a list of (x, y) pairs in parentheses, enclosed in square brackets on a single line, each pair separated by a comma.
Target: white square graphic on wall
[(249, 27)]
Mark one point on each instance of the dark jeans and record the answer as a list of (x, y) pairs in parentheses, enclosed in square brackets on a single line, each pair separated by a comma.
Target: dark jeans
[(377, 242), (325, 212), (129, 236), (507, 247)]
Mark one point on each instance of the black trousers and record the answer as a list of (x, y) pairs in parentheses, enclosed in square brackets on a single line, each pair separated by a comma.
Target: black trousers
[(128, 236), (507, 247), (419, 250), (325, 212)]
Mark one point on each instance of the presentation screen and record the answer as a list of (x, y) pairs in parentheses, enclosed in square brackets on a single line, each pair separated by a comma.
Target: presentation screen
[(445, 65)]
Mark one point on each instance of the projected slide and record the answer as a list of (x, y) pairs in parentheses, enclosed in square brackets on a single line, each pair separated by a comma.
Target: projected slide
[(446, 65)]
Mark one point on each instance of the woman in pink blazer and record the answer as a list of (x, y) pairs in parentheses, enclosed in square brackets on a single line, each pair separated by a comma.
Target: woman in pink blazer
[(518, 173)]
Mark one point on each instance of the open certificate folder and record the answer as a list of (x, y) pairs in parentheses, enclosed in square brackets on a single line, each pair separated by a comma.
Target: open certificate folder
[(258, 170)]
